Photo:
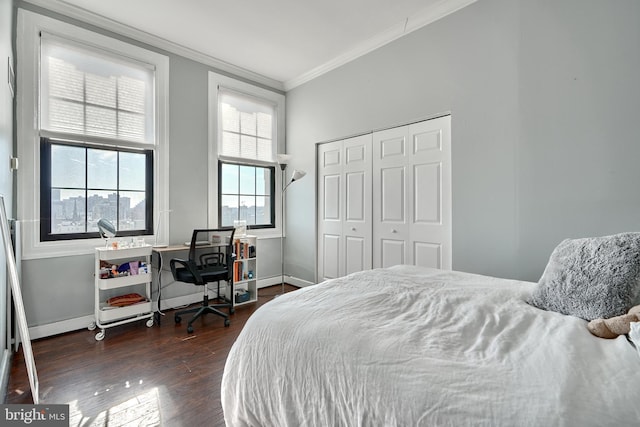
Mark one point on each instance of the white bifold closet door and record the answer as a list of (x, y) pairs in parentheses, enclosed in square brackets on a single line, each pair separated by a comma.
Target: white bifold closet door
[(385, 199), (412, 195), (344, 207)]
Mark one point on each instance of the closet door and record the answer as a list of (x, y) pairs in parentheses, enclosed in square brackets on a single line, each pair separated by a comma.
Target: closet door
[(430, 236), (356, 230), (330, 211), (390, 202), (412, 195), (344, 207)]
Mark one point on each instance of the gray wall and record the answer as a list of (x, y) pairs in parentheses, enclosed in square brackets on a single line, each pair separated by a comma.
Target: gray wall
[(579, 111), (544, 98), (6, 144), (58, 289), (544, 101)]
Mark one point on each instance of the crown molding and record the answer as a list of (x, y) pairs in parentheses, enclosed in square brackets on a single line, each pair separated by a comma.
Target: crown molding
[(427, 16), (83, 15), (430, 14)]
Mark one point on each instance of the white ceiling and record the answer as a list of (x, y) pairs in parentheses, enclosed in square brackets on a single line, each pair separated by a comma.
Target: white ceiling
[(286, 41)]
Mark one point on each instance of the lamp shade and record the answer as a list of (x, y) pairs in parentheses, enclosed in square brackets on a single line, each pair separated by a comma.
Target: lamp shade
[(297, 174), (284, 159)]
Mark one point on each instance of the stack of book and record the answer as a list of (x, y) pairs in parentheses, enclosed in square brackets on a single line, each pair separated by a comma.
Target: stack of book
[(238, 273), (244, 250)]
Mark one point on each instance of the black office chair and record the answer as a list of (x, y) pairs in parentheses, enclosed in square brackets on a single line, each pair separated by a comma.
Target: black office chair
[(210, 260)]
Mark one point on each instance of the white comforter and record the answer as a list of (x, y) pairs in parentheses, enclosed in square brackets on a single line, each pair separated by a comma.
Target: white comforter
[(408, 346)]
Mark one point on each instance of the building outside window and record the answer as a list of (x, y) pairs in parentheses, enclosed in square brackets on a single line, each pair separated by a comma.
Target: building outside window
[(246, 194), (82, 184)]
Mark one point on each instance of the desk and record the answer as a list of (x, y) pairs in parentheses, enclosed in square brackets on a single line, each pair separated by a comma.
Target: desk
[(161, 250)]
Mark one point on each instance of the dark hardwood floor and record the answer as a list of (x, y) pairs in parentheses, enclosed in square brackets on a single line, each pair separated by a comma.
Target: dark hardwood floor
[(137, 375)]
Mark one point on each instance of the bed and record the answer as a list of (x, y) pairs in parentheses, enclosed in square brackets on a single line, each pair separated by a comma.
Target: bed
[(411, 346)]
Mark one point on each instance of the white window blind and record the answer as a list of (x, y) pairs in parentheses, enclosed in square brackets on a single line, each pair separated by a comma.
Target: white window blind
[(246, 127), (90, 92)]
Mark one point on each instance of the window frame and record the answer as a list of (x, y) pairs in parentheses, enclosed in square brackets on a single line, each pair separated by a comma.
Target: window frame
[(29, 27), (272, 190), (278, 99), (45, 192)]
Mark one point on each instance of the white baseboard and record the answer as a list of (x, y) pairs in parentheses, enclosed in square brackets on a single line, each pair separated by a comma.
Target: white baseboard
[(55, 328), (175, 302), (61, 327), (298, 282), (276, 280), (269, 281), (78, 323)]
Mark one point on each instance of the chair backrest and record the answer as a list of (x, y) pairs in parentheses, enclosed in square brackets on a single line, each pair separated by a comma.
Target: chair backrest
[(207, 244)]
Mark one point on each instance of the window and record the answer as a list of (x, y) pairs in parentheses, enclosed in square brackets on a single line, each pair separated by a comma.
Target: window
[(81, 184), (92, 115), (95, 96), (246, 194), (246, 149), (246, 132)]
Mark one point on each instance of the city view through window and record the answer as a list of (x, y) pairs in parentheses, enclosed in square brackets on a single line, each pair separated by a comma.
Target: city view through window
[(245, 194), (252, 213), (88, 184), (72, 213)]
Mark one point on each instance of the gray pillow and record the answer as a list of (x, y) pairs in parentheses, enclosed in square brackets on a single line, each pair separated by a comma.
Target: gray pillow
[(591, 278)]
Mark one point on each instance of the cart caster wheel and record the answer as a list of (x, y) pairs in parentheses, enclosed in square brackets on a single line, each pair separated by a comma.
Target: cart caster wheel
[(178, 319), (149, 323), (91, 326), (227, 322), (100, 336), (190, 329)]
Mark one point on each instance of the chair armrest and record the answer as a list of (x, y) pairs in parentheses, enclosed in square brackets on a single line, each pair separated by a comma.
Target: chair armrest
[(190, 266)]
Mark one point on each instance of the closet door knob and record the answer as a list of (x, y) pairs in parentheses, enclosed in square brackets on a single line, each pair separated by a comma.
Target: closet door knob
[(393, 230), (353, 229)]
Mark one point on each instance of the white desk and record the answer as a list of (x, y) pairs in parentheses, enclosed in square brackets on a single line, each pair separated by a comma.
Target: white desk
[(161, 250)]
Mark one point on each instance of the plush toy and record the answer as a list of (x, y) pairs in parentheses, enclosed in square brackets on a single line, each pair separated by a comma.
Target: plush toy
[(619, 325)]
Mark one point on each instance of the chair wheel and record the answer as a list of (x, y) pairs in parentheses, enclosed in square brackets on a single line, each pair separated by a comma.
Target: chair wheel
[(227, 322), (178, 319), (190, 329), (232, 310)]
